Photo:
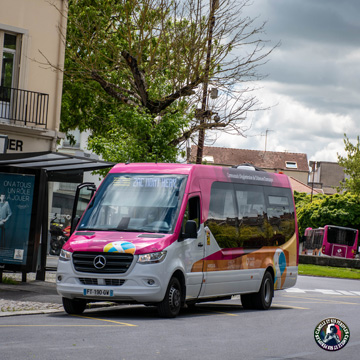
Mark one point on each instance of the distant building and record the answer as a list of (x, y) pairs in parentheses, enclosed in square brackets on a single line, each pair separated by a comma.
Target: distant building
[(300, 187), (326, 175), (30, 92), (291, 164)]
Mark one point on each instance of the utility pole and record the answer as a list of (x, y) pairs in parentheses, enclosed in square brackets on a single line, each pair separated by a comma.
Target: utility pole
[(200, 149)]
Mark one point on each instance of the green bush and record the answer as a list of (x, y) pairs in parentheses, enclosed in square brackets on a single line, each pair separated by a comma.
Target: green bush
[(337, 209)]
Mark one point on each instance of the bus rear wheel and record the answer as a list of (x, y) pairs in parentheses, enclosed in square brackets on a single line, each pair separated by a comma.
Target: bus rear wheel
[(74, 306), (263, 298), (170, 306)]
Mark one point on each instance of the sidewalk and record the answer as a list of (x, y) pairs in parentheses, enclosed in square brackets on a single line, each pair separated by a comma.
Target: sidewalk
[(32, 297)]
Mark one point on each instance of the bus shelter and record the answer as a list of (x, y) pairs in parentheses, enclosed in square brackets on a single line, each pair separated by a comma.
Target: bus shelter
[(24, 199)]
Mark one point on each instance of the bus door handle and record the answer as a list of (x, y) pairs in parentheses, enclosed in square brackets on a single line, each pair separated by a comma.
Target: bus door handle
[(200, 244)]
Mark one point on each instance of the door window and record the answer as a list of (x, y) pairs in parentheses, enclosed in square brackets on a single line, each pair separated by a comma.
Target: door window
[(192, 212)]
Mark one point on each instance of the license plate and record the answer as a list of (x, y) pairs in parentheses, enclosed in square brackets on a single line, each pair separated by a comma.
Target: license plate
[(98, 292)]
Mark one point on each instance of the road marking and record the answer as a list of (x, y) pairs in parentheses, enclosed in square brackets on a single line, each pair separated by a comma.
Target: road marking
[(323, 291), (72, 325), (317, 300), (290, 307), (111, 321), (224, 313)]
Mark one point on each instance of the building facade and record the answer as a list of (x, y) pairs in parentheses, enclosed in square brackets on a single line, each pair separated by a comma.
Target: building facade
[(31, 38), (326, 175)]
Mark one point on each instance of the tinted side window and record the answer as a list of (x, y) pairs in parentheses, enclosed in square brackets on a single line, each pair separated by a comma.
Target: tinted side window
[(251, 210), (250, 216), (192, 212), (314, 240), (222, 219), (280, 215)]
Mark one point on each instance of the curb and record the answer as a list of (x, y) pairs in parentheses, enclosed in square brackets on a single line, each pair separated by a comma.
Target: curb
[(29, 312), (90, 306)]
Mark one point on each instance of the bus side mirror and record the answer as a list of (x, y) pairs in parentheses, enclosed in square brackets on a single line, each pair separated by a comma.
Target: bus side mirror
[(74, 223), (190, 230)]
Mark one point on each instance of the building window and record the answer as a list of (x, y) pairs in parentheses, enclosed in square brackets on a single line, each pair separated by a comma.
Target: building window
[(9, 70), (9, 58), (291, 164)]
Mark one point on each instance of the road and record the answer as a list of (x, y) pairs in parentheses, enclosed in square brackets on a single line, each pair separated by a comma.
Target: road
[(222, 330)]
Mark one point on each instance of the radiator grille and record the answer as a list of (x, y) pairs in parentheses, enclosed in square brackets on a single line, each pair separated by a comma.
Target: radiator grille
[(102, 263), (95, 281)]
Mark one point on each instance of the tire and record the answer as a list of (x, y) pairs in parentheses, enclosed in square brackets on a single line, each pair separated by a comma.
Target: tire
[(74, 306), (170, 306), (263, 298), (247, 301)]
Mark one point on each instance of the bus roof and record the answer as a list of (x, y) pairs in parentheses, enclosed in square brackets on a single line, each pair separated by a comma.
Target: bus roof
[(218, 173)]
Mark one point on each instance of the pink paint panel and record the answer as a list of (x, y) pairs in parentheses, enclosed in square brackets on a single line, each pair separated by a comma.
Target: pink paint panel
[(98, 240)]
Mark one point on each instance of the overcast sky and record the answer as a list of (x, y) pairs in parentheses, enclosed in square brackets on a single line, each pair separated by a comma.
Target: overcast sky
[(313, 79)]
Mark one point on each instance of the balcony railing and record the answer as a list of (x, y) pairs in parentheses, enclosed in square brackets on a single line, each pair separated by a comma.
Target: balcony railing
[(23, 106)]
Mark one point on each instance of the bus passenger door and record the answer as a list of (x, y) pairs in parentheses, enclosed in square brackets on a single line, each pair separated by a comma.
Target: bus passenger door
[(83, 195), (192, 245)]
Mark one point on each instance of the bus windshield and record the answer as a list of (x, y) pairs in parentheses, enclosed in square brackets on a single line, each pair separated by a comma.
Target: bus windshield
[(136, 202)]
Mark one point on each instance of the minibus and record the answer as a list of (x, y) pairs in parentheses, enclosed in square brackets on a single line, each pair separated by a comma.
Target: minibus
[(172, 235), (312, 242), (331, 240), (340, 241)]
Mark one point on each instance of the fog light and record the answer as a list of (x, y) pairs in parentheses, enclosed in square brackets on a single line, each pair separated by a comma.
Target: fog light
[(59, 278), (151, 282)]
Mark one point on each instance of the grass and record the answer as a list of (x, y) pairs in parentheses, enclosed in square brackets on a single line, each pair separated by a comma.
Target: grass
[(6, 280), (329, 271)]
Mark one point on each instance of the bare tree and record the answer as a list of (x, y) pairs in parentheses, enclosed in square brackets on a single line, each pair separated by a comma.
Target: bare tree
[(165, 57)]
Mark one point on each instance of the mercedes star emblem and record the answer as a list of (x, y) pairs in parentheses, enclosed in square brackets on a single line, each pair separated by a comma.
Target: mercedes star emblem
[(99, 262)]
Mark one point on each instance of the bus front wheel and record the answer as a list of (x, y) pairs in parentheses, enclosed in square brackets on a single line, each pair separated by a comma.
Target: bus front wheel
[(74, 306)]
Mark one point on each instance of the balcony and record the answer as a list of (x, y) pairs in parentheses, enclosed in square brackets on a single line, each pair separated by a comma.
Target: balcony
[(23, 107)]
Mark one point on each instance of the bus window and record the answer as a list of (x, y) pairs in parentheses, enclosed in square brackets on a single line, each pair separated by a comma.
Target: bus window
[(251, 208), (222, 218), (313, 242), (280, 215), (341, 236), (192, 212)]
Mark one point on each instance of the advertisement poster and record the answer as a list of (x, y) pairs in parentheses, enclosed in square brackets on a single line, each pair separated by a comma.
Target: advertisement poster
[(16, 199)]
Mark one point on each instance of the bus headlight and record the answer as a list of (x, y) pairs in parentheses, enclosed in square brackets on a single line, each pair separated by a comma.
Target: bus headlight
[(152, 258), (65, 255)]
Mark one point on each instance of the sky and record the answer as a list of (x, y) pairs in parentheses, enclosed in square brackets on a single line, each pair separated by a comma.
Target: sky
[(313, 79)]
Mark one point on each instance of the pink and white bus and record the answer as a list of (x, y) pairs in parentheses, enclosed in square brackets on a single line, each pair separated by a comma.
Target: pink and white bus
[(312, 242), (176, 234), (331, 240), (340, 241)]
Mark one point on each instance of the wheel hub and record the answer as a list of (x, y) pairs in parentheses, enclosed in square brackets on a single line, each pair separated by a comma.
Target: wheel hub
[(174, 298)]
